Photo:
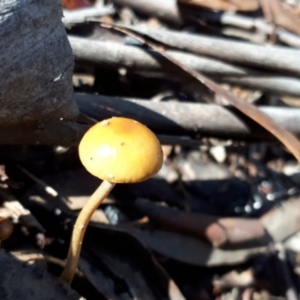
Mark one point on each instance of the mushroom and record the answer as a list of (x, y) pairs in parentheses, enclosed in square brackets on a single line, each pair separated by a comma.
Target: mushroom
[(116, 150), (6, 229)]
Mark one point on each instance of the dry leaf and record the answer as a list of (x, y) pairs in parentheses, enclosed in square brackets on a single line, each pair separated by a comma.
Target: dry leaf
[(75, 4), (107, 264), (245, 5), (280, 14), (190, 250)]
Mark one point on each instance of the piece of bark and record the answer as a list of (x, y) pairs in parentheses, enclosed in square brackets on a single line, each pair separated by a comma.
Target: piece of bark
[(20, 281), (281, 59), (114, 55), (36, 63)]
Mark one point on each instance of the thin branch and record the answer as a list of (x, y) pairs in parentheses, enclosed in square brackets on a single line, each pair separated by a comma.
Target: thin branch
[(203, 119), (166, 119), (249, 23), (281, 59), (114, 55), (80, 15)]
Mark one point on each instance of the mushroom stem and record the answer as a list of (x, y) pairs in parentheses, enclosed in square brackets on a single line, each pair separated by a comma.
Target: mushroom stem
[(80, 227)]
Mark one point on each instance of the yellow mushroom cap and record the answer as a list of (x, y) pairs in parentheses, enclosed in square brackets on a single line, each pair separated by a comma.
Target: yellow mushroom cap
[(121, 150)]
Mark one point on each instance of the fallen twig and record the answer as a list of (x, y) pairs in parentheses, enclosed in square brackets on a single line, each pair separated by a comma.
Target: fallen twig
[(281, 59), (171, 12), (114, 55), (218, 231), (275, 225), (167, 9), (167, 119), (81, 15), (170, 117), (249, 23)]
